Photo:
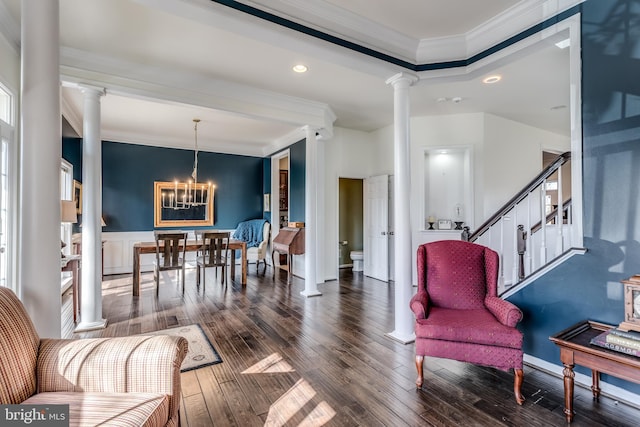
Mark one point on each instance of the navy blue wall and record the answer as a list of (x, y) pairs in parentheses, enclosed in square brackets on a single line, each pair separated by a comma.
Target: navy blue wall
[(72, 152), (266, 183), (297, 171), (588, 286), (129, 172)]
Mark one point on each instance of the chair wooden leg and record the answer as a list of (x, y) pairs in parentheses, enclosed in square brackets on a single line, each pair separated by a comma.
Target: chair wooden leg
[(517, 385), (156, 277), (420, 380)]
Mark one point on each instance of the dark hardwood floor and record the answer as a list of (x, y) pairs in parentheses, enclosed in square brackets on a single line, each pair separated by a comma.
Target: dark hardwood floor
[(295, 361)]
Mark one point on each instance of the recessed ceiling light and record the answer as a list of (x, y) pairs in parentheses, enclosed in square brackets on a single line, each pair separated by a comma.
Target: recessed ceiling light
[(564, 43), (492, 79), (300, 68)]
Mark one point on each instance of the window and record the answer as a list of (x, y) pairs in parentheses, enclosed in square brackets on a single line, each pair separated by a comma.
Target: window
[(6, 193), (66, 193)]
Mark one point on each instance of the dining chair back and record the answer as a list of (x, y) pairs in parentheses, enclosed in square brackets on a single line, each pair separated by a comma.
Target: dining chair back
[(214, 252), (170, 254)]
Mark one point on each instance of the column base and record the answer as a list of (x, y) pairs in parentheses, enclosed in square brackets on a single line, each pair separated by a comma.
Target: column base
[(310, 293), (401, 338), (91, 326)]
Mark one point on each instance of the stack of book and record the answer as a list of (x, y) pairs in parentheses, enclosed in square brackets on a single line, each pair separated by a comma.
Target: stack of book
[(627, 342)]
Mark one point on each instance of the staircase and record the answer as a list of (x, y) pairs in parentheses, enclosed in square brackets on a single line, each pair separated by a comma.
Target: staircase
[(532, 232)]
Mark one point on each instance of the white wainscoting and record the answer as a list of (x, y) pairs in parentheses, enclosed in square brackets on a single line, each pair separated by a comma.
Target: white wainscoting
[(118, 251)]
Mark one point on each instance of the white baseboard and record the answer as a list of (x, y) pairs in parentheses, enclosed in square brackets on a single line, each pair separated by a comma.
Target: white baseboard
[(582, 380)]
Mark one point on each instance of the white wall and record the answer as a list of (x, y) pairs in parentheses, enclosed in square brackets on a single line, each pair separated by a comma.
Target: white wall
[(9, 66), (349, 154), (513, 150), (494, 142)]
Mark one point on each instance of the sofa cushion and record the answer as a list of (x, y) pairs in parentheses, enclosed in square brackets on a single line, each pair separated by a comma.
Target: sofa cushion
[(18, 350), (470, 326), (109, 409)]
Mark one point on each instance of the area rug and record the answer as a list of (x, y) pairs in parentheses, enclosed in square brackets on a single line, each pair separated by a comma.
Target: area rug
[(201, 352)]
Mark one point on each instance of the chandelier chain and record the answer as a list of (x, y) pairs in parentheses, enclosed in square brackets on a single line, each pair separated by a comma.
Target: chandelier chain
[(194, 174)]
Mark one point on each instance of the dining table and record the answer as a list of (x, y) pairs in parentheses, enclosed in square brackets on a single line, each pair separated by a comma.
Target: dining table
[(140, 248)]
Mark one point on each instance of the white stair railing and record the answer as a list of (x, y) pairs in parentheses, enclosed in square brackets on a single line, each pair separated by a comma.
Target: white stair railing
[(532, 229)]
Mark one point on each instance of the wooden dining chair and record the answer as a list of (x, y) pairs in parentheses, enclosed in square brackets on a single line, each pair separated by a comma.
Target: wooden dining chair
[(214, 252), (170, 254)]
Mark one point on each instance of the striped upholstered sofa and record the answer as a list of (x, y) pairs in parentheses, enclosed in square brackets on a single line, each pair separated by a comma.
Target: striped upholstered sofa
[(129, 381)]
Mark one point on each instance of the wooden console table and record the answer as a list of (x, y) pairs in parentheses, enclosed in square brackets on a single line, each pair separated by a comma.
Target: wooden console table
[(575, 349), (150, 248)]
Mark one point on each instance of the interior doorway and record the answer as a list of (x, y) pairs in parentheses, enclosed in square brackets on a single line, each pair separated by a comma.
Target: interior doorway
[(280, 197), (350, 219)]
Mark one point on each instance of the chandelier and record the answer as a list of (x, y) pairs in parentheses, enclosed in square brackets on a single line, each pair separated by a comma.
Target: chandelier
[(190, 194)]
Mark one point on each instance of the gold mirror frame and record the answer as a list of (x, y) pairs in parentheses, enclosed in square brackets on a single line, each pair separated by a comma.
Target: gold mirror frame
[(168, 187)]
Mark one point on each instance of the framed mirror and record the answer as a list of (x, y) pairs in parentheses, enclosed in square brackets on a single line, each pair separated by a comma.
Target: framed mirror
[(182, 204)]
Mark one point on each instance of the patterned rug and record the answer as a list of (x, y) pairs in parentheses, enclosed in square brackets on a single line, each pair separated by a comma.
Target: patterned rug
[(201, 351)]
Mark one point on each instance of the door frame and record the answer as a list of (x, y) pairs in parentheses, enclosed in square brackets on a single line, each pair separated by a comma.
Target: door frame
[(275, 190), (337, 217)]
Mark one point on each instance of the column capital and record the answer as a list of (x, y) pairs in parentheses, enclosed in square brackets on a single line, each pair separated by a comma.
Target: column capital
[(91, 90), (309, 129), (402, 79)]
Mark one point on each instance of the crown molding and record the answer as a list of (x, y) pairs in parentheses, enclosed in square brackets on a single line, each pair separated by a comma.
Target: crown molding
[(284, 141), (171, 85), (9, 28), (222, 16), (513, 21), (356, 33), (217, 146), (334, 20), (68, 112)]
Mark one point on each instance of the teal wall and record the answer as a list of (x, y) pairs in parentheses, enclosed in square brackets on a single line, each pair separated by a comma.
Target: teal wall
[(129, 171), (297, 170), (588, 286)]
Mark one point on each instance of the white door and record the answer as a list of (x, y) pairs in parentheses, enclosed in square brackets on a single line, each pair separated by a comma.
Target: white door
[(376, 213)]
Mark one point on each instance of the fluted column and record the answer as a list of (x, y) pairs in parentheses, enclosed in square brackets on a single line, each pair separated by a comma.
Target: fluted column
[(404, 321), (40, 151), (310, 207), (91, 295)]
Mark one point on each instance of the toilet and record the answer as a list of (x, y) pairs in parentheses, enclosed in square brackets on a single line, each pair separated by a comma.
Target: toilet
[(358, 260)]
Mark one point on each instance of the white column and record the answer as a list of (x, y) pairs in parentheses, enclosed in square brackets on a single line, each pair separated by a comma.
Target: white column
[(320, 215), (310, 214), (91, 295), (404, 319), (40, 152)]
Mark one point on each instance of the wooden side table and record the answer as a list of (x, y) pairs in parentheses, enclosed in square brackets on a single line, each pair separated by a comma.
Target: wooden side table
[(72, 264), (575, 349)]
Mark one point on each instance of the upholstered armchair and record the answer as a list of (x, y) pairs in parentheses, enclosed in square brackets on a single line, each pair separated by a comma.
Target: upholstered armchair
[(458, 313), (259, 253), (105, 381), (256, 233)]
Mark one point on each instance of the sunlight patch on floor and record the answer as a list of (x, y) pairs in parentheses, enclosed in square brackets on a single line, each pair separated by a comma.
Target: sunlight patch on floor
[(320, 415), (289, 403), (270, 364), (294, 399)]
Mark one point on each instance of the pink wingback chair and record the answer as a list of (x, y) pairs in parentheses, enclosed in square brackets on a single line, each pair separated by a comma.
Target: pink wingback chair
[(458, 313)]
